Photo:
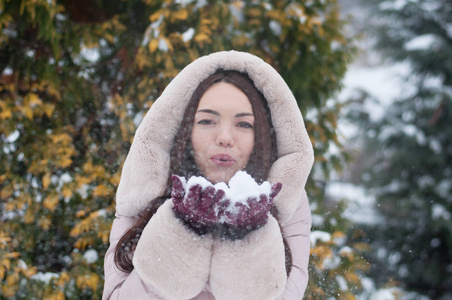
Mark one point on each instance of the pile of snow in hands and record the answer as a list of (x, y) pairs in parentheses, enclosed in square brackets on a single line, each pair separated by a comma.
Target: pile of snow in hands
[(241, 187)]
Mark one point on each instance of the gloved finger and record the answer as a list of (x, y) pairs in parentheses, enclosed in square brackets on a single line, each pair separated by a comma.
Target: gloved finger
[(220, 204), (265, 203), (205, 200), (177, 190), (231, 212), (258, 210), (254, 207), (276, 188), (242, 215), (219, 195), (191, 199), (209, 218), (205, 210)]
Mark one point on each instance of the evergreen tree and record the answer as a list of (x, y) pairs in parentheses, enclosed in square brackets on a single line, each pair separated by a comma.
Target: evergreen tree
[(408, 151), (77, 78)]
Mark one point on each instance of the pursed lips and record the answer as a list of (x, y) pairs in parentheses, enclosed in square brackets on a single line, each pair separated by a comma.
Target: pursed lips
[(224, 160)]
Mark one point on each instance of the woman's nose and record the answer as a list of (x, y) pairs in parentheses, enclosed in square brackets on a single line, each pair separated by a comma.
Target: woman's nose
[(225, 138)]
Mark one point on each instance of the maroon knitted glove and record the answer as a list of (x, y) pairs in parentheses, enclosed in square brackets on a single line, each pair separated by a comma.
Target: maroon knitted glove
[(197, 207), (253, 213)]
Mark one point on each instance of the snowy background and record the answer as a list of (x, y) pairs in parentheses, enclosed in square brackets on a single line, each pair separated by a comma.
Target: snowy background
[(381, 82)]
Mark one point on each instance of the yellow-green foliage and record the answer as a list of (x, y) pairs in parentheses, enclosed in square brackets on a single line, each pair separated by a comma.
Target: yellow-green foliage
[(75, 81)]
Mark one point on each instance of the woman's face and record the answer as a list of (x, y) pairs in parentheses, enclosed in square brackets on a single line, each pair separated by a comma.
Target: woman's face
[(223, 132)]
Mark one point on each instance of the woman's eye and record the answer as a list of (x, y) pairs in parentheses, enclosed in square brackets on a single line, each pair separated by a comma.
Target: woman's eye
[(245, 125), (205, 122)]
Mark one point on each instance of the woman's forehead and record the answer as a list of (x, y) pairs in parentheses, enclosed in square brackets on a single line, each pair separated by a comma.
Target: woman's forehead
[(224, 96)]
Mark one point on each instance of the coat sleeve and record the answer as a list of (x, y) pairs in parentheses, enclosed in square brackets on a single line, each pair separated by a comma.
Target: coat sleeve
[(254, 267), (118, 284), (167, 255), (249, 268), (297, 231)]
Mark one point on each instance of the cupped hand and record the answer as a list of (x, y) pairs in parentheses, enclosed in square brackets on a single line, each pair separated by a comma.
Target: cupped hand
[(198, 205), (252, 213)]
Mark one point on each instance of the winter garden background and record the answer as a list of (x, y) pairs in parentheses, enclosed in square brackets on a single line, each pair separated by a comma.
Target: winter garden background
[(373, 80)]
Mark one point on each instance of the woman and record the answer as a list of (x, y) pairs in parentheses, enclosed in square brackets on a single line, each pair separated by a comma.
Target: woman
[(223, 113)]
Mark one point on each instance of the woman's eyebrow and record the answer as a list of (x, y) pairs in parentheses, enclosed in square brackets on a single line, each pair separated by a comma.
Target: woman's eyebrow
[(244, 115), (209, 111)]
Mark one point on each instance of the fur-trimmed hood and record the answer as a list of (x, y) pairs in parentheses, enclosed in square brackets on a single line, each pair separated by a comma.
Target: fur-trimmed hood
[(146, 168)]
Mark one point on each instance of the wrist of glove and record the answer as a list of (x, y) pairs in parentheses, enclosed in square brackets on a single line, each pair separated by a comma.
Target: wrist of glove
[(230, 212)]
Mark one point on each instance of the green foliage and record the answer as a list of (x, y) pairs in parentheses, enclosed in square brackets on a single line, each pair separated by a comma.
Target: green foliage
[(409, 154), (76, 78), (410, 176)]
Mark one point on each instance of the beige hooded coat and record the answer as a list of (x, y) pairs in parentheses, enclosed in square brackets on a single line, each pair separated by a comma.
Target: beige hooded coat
[(172, 262)]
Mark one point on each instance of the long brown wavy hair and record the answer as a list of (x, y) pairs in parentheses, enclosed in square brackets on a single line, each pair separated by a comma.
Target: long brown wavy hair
[(182, 160)]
